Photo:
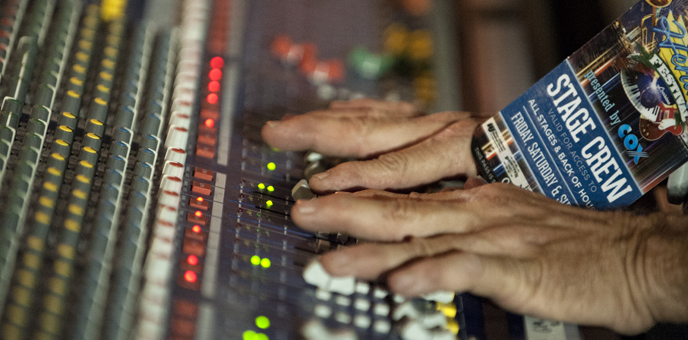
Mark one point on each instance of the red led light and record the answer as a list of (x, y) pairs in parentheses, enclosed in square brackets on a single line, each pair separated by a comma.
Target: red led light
[(196, 229), (190, 276), (212, 98), (214, 86), (198, 213), (215, 74), (192, 260), (200, 200), (217, 62), (209, 123)]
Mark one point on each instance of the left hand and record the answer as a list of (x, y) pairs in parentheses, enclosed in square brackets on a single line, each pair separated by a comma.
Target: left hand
[(528, 253), (401, 148)]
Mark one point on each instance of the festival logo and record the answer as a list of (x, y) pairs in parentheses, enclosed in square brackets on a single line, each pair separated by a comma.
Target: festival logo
[(657, 82)]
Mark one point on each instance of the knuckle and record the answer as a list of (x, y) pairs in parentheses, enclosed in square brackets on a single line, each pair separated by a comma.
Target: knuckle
[(422, 247), (393, 163), (399, 211), (359, 130)]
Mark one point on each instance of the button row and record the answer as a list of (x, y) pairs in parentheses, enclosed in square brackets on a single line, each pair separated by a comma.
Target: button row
[(11, 16), (159, 267), (102, 245), (127, 275), (80, 192)]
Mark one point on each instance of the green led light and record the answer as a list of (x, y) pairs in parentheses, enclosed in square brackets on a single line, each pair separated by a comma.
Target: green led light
[(255, 260), (250, 335), (262, 322), (272, 166), (265, 263), (261, 336), (271, 188), (261, 186), (269, 204)]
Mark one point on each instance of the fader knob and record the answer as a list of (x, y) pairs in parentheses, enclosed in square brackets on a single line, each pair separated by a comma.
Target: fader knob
[(302, 191)]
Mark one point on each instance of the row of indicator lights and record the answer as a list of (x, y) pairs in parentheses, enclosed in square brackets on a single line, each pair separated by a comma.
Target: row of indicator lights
[(258, 261), (262, 322), (215, 75), (207, 140), (198, 218)]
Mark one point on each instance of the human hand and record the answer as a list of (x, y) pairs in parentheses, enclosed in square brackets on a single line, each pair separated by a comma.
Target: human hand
[(402, 147), (528, 253)]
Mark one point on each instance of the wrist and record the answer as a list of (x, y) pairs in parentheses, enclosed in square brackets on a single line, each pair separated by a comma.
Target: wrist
[(666, 269)]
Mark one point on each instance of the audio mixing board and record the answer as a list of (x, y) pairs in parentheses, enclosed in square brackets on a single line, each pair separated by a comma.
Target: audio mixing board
[(139, 200)]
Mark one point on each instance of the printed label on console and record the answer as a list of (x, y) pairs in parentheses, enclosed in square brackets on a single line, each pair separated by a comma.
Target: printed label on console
[(606, 125)]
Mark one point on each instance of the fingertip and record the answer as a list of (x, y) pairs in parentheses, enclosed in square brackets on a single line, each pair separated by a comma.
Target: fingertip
[(406, 283), (337, 263), (329, 181)]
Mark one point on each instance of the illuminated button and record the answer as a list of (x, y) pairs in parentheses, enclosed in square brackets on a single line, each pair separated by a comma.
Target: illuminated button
[(201, 188), (205, 151), (215, 74), (212, 98), (207, 138), (198, 204), (192, 260), (192, 218), (190, 276), (217, 62), (265, 263), (262, 322), (214, 86), (203, 174), (195, 233), (208, 126)]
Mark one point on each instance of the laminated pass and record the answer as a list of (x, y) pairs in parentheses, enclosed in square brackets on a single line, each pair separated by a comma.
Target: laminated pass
[(605, 126)]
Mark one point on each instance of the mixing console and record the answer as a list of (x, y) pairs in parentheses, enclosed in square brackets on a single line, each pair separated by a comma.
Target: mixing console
[(139, 199)]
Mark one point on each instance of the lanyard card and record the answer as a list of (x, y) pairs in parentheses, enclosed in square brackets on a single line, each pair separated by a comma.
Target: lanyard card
[(605, 126)]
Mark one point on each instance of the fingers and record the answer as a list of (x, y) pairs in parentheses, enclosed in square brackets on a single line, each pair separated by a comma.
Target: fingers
[(446, 154), (370, 261), (385, 220), (396, 109), (350, 135), (495, 277)]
